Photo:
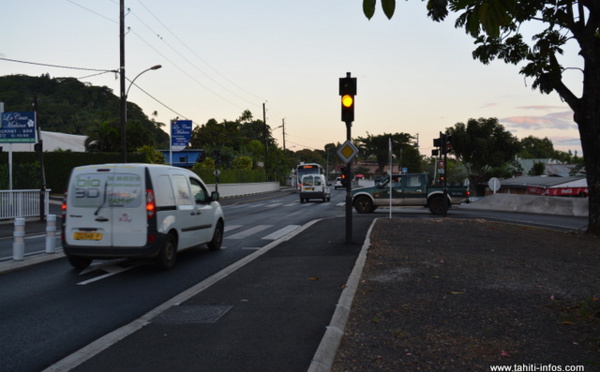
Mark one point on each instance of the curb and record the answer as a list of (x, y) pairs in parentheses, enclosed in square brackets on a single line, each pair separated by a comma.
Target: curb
[(325, 355)]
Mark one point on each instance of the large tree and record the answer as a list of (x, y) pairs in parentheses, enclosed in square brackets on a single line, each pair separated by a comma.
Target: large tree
[(537, 148), (482, 145), (407, 156), (496, 27)]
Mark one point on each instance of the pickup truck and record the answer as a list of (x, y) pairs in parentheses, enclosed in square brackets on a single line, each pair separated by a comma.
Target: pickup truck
[(408, 190)]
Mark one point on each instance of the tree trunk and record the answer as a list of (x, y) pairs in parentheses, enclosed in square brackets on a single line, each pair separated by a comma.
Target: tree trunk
[(587, 117)]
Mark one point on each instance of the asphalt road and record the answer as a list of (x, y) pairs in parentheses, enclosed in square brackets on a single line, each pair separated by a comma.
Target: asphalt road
[(50, 311)]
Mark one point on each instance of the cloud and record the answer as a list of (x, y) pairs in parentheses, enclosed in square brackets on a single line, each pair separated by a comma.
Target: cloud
[(557, 120), (541, 107)]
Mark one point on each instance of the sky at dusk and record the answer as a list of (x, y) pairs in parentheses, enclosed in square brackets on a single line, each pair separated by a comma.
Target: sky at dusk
[(220, 58)]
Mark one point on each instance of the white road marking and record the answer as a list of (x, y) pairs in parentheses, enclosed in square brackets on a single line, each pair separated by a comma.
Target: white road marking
[(247, 233), (112, 270), (281, 232), (232, 227), (255, 205)]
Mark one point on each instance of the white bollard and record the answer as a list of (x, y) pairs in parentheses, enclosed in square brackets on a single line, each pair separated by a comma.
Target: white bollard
[(19, 243), (51, 233)]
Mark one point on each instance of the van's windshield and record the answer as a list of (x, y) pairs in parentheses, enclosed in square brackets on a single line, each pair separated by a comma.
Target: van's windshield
[(122, 190)]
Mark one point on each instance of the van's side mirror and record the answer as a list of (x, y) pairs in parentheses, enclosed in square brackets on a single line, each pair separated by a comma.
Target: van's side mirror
[(214, 195)]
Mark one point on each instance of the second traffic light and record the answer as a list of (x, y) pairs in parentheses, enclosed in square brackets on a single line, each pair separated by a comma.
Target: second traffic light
[(346, 179)]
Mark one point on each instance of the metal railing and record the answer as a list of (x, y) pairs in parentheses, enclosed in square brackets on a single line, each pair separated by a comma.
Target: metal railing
[(22, 203), (228, 190)]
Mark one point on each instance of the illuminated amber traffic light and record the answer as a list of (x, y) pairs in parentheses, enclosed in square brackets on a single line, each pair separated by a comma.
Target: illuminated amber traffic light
[(347, 92), (347, 108), (347, 100)]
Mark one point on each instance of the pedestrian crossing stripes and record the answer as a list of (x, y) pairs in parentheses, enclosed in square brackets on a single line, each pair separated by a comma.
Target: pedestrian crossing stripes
[(257, 229), (281, 232), (274, 205), (248, 232)]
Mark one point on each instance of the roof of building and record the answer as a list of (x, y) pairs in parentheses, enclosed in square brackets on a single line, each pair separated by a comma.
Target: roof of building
[(540, 181), (184, 158)]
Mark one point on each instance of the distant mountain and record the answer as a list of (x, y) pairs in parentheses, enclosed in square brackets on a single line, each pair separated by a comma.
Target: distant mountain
[(67, 105)]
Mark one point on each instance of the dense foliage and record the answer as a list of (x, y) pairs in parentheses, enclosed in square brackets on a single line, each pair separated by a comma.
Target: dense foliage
[(69, 106)]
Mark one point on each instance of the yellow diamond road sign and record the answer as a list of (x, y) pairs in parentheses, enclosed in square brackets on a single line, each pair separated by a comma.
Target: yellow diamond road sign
[(347, 152)]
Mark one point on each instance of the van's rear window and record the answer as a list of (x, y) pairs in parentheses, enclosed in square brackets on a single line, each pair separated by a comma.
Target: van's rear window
[(108, 189)]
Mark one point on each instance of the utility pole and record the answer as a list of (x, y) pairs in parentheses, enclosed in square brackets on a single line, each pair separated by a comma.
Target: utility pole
[(40, 147), (265, 137), (123, 104), (283, 130)]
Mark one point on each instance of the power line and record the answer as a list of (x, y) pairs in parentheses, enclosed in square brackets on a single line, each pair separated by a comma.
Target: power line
[(57, 66), (195, 54)]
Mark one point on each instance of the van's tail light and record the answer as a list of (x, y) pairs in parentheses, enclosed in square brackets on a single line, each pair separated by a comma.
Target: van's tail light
[(150, 205), (63, 209)]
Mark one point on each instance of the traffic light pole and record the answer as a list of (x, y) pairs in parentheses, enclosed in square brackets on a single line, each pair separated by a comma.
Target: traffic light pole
[(349, 189), (347, 92)]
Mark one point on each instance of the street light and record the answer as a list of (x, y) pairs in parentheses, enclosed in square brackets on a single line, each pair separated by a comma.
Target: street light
[(124, 113)]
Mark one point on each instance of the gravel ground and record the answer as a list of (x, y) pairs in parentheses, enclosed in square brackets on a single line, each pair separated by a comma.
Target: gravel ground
[(466, 295)]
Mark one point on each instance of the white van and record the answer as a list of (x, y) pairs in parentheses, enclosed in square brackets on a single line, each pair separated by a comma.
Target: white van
[(314, 186), (138, 210)]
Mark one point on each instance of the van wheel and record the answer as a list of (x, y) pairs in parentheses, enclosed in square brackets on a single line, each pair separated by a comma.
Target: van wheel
[(168, 253), (363, 204), (217, 239), (80, 263)]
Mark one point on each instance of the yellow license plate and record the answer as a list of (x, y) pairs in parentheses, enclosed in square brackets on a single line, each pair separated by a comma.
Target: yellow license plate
[(308, 189), (87, 236)]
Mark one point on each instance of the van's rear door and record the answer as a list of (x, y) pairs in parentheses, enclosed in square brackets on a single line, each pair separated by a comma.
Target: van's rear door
[(126, 203), (105, 207)]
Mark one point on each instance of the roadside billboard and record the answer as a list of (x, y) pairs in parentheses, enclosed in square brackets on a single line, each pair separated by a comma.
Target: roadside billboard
[(18, 127)]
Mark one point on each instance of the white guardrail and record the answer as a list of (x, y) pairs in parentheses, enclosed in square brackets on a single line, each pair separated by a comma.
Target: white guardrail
[(229, 190), (26, 203), (22, 203)]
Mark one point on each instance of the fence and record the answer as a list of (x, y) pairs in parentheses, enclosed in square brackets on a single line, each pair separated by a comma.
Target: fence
[(228, 190), (22, 203)]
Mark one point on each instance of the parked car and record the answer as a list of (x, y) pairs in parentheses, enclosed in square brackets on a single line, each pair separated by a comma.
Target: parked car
[(138, 210), (314, 186)]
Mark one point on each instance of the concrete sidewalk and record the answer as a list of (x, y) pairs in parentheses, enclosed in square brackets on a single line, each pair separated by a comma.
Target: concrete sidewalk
[(267, 313)]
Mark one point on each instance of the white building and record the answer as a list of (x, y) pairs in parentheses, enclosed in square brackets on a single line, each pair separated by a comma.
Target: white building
[(52, 141)]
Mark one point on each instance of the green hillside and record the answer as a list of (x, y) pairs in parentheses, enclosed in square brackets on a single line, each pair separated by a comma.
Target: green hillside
[(69, 106)]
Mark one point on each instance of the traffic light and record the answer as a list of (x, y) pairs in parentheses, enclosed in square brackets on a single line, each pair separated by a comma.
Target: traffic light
[(347, 92), (345, 176), (448, 146), (347, 108)]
